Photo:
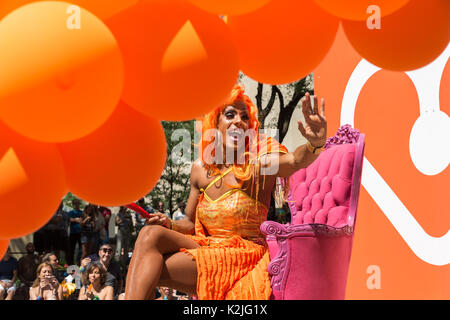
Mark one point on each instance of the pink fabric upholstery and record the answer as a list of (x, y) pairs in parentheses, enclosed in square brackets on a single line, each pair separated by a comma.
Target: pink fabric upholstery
[(310, 257), (322, 191), (326, 261)]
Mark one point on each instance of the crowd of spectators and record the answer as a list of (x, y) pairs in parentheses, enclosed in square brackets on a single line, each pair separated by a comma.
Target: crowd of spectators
[(73, 256)]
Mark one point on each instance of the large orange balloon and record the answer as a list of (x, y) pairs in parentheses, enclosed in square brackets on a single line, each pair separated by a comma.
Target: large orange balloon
[(358, 9), (180, 62), (230, 7), (57, 82), (3, 247), (101, 8), (408, 39), (283, 41), (118, 163), (32, 184)]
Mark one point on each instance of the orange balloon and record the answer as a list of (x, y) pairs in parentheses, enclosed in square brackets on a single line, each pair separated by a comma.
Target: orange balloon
[(408, 39), (230, 7), (32, 184), (360, 9), (3, 247), (180, 62), (283, 41), (118, 163), (58, 82), (101, 8)]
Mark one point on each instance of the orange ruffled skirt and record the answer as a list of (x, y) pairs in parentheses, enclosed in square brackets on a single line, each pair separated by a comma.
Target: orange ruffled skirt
[(231, 269)]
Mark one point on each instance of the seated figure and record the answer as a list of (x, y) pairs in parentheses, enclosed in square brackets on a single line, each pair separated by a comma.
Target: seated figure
[(217, 250)]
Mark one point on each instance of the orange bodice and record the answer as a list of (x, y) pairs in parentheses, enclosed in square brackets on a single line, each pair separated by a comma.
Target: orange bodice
[(234, 213)]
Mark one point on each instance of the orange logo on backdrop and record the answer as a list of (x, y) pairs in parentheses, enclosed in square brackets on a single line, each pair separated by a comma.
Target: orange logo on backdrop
[(401, 247)]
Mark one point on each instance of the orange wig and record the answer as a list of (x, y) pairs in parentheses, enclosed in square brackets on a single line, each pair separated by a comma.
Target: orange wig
[(210, 122)]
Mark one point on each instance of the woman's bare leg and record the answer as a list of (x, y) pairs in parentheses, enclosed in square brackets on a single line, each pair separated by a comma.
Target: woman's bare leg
[(180, 273), (148, 261)]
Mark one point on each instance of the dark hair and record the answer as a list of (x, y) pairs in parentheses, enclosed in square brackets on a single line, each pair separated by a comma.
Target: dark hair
[(90, 210), (106, 244), (90, 268)]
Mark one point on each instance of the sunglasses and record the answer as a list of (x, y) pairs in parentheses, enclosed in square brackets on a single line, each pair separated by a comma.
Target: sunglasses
[(105, 250)]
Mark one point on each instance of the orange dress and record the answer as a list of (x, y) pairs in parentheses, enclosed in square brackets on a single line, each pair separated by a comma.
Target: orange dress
[(233, 257)]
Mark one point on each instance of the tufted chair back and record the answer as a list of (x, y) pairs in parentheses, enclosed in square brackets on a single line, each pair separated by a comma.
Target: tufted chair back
[(310, 256)]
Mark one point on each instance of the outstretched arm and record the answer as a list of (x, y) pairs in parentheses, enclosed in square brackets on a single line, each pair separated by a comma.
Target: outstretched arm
[(315, 132)]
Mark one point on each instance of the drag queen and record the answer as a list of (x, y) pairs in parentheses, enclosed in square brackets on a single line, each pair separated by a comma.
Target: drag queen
[(217, 251)]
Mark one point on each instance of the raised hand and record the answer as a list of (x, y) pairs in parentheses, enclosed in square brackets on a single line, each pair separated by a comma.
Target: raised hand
[(315, 128)]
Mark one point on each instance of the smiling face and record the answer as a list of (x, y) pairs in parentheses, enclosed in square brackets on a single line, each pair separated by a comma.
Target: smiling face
[(232, 124), (105, 253)]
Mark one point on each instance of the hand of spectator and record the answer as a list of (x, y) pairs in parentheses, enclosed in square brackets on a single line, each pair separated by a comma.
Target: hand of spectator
[(53, 282), (85, 262), (44, 284), (89, 294), (158, 218)]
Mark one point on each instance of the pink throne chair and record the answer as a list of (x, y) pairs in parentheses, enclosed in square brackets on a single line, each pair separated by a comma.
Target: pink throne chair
[(310, 256)]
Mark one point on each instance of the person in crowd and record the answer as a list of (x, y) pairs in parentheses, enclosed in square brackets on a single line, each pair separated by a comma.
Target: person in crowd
[(61, 248), (114, 276), (160, 208), (231, 185), (52, 259), (99, 231), (94, 284), (59, 272), (46, 286), (88, 220), (180, 212), (106, 214), (140, 221), (26, 271), (124, 230), (38, 240), (52, 235), (8, 276), (166, 294), (74, 231)]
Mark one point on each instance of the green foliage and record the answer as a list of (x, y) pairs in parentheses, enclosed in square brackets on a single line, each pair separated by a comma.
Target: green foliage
[(288, 97), (173, 185)]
